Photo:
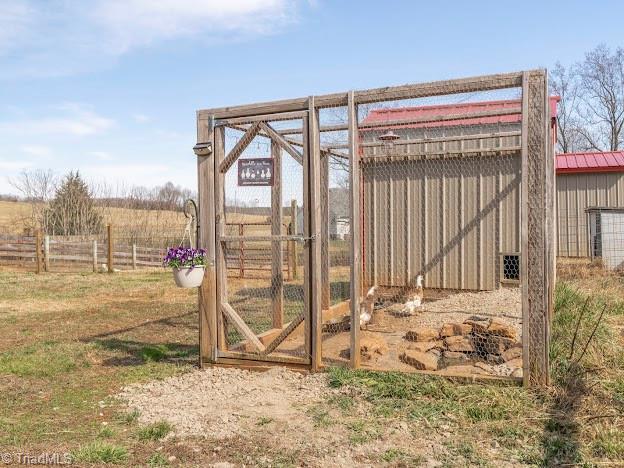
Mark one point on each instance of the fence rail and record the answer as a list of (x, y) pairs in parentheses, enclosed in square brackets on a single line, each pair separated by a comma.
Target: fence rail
[(63, 253)]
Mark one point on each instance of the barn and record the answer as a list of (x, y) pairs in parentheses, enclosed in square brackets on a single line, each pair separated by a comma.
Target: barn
[(586, 181), (442, 198)]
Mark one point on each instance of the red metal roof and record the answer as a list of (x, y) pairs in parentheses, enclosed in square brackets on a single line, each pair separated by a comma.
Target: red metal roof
[(401, 113), (611, 161)]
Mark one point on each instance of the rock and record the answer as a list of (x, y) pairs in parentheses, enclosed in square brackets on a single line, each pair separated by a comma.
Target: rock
[(486, 367), (454, 329), (514, 363), (517, 372), (512, 353), (372, 346), (500, 328), (422, 334), (492, 344), (424, 346), (455, 356), (421, 361), (478, 324), (463, 344), (494, 359)]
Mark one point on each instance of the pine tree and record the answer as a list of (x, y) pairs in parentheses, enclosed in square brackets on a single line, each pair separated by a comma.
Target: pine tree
[(72, 211)]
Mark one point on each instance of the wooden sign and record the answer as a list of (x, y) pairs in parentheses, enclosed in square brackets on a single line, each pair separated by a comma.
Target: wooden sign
[(255, 172)]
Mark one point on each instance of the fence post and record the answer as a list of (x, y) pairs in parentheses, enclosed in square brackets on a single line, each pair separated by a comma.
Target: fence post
[(38, 250), (109, 232), (293, 244), (46, 253), (241, 251), (134, 256), (94, 254)]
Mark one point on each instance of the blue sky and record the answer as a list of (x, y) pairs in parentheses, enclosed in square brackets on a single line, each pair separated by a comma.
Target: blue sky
[(111, 87)]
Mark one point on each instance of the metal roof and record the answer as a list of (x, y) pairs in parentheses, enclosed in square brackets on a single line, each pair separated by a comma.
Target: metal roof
[(404, 113), (611, 161)]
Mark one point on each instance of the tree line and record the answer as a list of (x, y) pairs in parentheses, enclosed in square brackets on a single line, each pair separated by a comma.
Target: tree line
[(68, 205)]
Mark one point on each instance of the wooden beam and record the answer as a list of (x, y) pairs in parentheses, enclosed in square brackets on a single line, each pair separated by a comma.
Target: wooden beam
[(537, 261), (277, 278), (314, 233), (295, 115), (279, 139), (325, 279), (410, 91), (416, 141), (281, 237), (241, 326), (219, 223), (355, 225), (242, 356), (284, 334), (206, 239), (293, 244), (240, 146)]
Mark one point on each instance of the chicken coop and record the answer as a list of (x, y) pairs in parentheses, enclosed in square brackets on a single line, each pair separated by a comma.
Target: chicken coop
[(403, 228)]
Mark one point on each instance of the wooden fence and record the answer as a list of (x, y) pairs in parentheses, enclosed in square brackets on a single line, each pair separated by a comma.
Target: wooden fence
[(77, 253)]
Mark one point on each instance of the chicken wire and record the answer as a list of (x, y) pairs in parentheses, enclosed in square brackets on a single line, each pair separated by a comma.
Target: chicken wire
[(451, 188), (440, 207), (264, 283)]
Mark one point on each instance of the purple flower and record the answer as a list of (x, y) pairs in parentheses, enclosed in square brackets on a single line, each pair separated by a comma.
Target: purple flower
[(183, 257)]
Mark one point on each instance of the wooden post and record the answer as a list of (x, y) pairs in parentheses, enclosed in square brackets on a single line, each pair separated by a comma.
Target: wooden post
[(241, 251), (537, 218), (277, 278), (206, 240), (354, 202), (38, 250), (325, 280), (314, 233), (293, 244), (134, 256), (94, 253), (46, 253), (219, 223), (109, 235)]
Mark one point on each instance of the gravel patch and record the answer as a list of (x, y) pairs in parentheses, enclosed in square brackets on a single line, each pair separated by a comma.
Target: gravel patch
[(221, 402)]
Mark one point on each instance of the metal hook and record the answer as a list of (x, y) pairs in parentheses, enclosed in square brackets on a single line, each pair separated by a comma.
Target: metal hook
[(191, 212)]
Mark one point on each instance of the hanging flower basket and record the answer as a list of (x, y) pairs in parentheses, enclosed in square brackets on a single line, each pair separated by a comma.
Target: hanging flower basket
[(187, 264)]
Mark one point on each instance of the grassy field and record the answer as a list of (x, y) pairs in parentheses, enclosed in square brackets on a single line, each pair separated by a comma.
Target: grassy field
[(70, 341)]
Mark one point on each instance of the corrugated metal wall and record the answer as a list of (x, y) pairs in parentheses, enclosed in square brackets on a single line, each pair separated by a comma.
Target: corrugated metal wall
[(575, 193), (446, 218)]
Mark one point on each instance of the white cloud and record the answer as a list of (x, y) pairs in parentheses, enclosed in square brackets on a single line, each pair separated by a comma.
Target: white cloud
[(60, 37), (36, 150), (74, 120)]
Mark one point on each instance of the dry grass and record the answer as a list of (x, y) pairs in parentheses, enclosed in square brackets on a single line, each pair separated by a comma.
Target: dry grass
[(70, 341)]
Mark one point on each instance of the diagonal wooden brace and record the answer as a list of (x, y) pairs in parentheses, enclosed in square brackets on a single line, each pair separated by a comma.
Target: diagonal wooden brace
[(280, 140), (240, 146), (241, 326)]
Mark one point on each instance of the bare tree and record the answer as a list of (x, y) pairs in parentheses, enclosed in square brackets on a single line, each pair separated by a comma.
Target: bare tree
[(37, 187), (564, 83), (601, 81)]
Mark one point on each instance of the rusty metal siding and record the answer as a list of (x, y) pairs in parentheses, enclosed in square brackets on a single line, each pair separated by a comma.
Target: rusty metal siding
[(575, 193), (448, 219)]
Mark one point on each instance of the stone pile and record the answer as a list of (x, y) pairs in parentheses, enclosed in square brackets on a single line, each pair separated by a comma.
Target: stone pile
[(477, 340)]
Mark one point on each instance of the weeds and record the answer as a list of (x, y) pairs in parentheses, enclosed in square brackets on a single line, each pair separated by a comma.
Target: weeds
[(101, 452), (154, 431)]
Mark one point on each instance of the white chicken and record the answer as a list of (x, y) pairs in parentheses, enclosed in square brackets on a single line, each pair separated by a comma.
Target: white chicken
[(366, 306), (414, 300)]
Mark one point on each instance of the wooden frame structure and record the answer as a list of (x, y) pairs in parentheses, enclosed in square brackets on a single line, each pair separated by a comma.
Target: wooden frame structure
[(537, 217)]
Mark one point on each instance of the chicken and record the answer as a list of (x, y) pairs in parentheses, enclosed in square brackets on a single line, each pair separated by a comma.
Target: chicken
[(414, 300), (366, 306)]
